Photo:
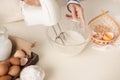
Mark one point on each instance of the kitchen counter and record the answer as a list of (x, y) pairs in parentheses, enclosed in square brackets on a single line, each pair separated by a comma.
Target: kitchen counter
[(91, 64)]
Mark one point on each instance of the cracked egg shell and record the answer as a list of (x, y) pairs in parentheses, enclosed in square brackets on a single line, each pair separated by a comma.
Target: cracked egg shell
[(19, 54), (23, 61)]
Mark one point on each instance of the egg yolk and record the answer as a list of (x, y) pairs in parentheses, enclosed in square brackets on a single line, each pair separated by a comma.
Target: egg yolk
[(107, 36)]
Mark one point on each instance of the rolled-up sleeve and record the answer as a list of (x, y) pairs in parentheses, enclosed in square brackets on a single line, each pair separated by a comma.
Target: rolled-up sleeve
[(72, 2)]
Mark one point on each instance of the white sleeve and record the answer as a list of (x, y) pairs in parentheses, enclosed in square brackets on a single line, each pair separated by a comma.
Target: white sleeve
[(73, 1)]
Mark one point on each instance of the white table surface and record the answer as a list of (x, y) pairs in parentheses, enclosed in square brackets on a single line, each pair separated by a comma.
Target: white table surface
[(90, 65)]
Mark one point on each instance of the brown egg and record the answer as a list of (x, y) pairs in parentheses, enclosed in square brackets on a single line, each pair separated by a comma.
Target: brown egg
[(6, 62), (14, 70), (15, 61), (19, 54), (3, 69), (18, 79), (6, 77)]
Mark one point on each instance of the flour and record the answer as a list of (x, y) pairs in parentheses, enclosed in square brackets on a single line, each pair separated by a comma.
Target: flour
[(32, 73)]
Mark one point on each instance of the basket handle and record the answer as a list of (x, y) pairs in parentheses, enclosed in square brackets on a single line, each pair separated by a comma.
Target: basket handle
[(103, 13)]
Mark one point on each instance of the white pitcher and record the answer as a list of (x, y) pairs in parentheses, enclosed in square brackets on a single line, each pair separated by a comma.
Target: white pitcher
[(5, 44)]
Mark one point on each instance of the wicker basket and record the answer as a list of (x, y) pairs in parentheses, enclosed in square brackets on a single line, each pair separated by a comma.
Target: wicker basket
[(102, 24)]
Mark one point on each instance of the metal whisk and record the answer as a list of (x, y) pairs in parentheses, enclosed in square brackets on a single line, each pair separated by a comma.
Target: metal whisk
[(60, 35)]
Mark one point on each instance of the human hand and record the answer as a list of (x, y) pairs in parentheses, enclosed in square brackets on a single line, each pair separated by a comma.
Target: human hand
[(32, 2), (76, 13)]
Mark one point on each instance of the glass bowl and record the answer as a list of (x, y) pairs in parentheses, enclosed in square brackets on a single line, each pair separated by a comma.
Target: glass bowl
[(74, 38)]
